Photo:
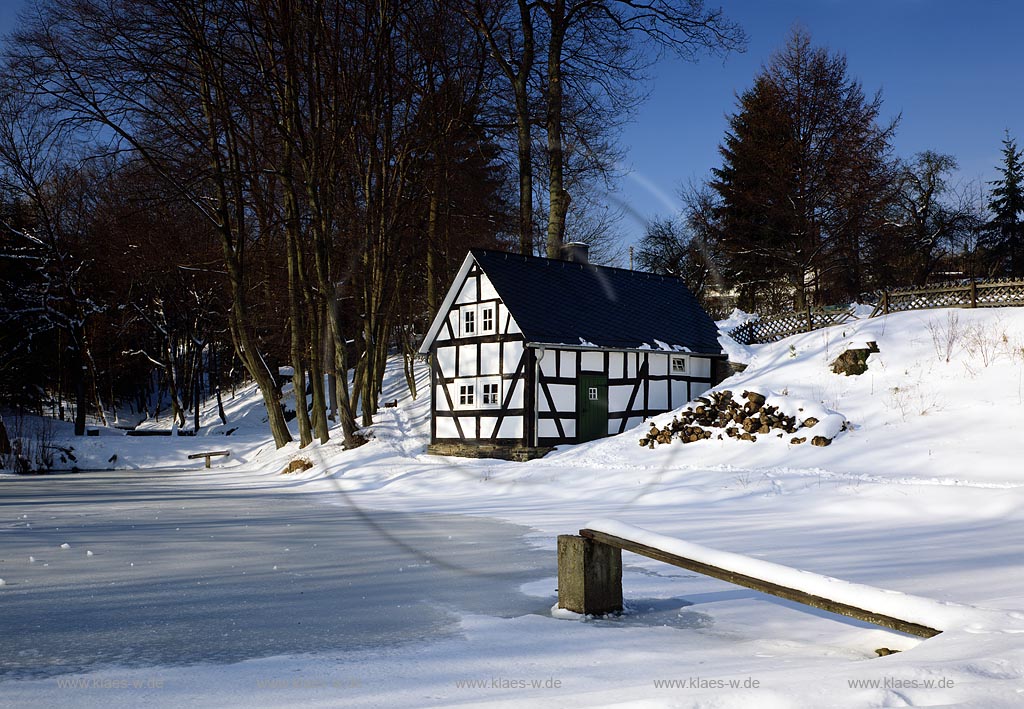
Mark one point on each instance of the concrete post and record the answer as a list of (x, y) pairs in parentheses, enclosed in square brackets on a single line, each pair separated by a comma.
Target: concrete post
[(589, 576)]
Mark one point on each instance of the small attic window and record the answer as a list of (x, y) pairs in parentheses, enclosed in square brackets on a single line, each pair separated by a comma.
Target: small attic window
[(679, 365), (469, 322), (487, 319)]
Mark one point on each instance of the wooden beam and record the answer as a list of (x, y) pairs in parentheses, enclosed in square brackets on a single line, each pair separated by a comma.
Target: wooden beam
[(789, 594)]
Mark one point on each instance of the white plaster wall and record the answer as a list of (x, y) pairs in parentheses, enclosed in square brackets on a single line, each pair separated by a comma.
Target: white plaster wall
[(547, 362), (487, 291), (489, 358), (446, 361), (440, 401), (569, 427), (513, 353), (616, 365), (546, 429), (513, 326), (468, 294), (564, 396), (591, 362), (516, 402), (467, 361), (631, 364), (680, 394), (569, 363), (632, 421), (657, 396), (657, 364), (468, 424), (700, 367), (511, 427), (487, 425), (698, 388), (446, 428), (618, 397)]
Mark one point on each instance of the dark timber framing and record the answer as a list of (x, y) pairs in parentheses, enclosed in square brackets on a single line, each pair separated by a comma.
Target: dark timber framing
[(538, 384)]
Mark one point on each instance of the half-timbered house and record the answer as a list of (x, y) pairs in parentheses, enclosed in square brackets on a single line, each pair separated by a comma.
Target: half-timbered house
[(527, 353)]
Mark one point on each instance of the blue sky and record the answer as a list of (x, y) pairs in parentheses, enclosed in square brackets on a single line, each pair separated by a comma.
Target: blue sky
[(953, 68)]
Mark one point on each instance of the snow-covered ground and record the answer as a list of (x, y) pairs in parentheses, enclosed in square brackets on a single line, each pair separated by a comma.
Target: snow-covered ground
[(922, 494)]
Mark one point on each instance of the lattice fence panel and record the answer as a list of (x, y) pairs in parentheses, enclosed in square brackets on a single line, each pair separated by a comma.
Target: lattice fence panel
[(980, 294), (983, 294), (775, 327)]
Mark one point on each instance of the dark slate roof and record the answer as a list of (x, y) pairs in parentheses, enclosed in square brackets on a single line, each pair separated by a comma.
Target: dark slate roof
[(558, 302)]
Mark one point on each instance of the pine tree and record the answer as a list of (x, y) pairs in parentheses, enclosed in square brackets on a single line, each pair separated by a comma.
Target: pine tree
[(805, 173), (1004, 234)]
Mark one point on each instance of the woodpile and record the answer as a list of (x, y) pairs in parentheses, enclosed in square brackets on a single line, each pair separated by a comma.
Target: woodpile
[(719, 415)]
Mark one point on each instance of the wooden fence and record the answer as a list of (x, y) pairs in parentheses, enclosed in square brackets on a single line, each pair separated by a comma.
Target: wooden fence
[(998, 293), (775, 327)]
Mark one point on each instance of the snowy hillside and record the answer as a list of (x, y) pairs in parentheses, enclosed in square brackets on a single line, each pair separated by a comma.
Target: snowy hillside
[(922, 493)]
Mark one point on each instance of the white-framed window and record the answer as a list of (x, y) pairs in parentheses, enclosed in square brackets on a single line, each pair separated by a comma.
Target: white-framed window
[(469, 321), (487, 318), (490, 393), (467, 394), (679, 365)]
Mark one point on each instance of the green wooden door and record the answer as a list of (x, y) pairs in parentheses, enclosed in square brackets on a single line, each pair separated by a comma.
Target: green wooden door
[(591, 407)]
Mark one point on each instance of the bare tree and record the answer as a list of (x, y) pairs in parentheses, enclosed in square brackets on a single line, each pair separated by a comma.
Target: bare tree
[(604, 41), (163, 78), (929, 215), (508, 29), (39, 168)]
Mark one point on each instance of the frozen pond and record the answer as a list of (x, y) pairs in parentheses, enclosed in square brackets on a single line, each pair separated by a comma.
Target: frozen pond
[(183, 572)]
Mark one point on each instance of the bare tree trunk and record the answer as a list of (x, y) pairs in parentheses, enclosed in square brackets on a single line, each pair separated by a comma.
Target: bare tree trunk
[(525, 156), (558, 198), (330, 366), (433, 301), (198, 383), (215, 375), (316, 374), (408, 358), (299, 372), (517, 71), (345, 406), (78, 370), (87, 351)]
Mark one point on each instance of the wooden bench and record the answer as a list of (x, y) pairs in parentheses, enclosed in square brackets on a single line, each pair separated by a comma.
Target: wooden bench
[(590, 580), (208, 455)]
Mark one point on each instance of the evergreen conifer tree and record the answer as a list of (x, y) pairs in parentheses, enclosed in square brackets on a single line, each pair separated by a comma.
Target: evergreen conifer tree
[(1004, 234)]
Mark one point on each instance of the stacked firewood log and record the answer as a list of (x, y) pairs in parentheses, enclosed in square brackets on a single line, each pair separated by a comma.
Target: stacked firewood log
[(743, 421)]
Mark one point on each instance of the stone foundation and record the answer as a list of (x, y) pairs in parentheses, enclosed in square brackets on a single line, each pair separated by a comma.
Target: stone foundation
[(487, 450)]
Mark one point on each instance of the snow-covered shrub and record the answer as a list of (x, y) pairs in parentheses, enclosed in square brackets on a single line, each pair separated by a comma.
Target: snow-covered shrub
[(31, 449)]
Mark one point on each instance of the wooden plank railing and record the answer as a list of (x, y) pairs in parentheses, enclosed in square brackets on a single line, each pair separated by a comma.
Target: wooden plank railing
[(207, 455), (590, 580)]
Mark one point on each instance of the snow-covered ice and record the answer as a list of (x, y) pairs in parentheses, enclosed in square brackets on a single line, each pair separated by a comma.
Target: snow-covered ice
[(922, 494)]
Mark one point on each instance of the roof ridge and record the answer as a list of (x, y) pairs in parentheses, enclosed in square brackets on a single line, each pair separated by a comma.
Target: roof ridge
[(530, 257)]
